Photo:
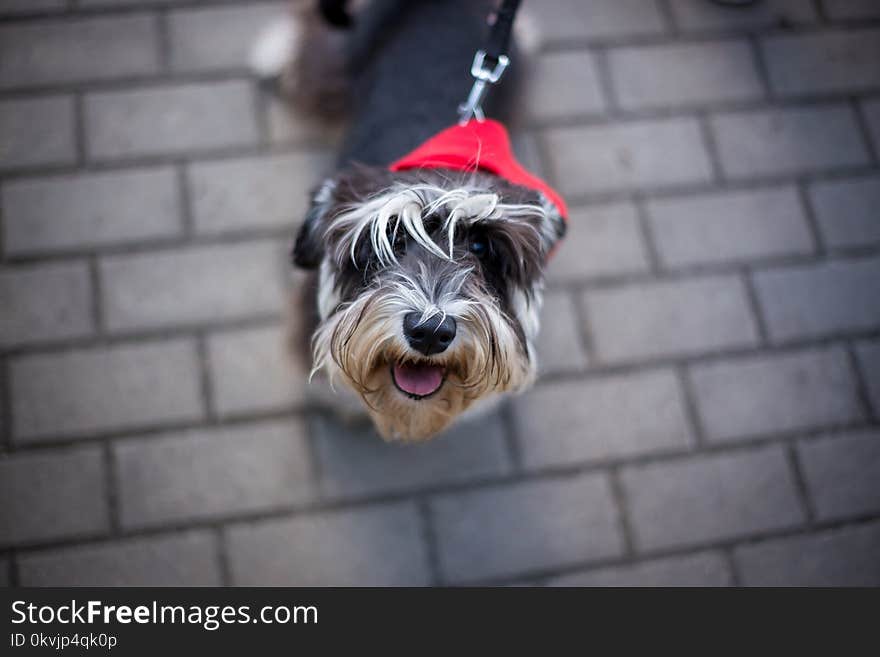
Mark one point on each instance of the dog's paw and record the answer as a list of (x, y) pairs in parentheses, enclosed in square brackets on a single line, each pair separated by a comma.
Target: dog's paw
[(275, 48)]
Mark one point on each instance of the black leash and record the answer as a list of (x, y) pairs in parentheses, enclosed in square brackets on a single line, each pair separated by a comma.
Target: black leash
[(490, 62), (499, 36)]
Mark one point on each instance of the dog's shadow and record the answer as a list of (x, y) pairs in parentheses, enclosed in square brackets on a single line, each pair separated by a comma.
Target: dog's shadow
[(354, 464)]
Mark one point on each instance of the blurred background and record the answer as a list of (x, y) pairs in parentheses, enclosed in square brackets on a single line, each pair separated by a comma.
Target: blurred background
[(708, 407)]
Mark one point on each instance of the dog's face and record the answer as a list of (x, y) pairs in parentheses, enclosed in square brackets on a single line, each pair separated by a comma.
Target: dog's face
[(429, 290)]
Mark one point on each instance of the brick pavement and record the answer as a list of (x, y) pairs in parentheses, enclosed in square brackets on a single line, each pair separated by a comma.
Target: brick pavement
[(709, 401)]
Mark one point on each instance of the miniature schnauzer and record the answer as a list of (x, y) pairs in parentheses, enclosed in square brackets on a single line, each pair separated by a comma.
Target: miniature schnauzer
[(427, 280)]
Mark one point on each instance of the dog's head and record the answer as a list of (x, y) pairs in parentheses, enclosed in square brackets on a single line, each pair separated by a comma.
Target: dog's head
[(429, 290)]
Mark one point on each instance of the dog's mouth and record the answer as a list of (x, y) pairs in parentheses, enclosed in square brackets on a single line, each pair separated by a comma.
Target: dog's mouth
[(418, 380)]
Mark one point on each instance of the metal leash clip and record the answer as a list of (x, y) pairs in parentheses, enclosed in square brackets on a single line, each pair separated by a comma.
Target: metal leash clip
[(483, 77)]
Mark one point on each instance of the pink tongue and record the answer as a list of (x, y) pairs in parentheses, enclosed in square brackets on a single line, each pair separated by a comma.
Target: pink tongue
[(418, 380)]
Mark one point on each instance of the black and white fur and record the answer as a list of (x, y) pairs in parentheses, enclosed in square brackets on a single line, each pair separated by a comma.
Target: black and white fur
[(381, 246)]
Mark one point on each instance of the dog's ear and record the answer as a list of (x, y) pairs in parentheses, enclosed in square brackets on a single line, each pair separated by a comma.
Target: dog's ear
[(550, 223), (308, 249), (553, 226)]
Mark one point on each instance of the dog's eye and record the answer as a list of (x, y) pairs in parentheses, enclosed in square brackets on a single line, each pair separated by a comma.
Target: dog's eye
[(479, 246), (398, 244)]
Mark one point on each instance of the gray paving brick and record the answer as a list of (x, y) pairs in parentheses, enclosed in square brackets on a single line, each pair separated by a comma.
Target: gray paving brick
[(265, 192), (562, 85), (508, 531), (806, 64), (757, 395), (701, 15), (354, 461), (729, 226), (57, 494), (188, 559), (684, 74), (613, 417), (812, 300), (36, 132), (872, 114), (711, 498), (77, 392), (44, 302), (368, 546), (559, 345), (205, 473), (209, 129), (62, 51), (24, 6), (576, 19), (847, 211), (869, 360), (254, 370), (170, 119), (192, 285), (700, 569), (845, 557), (667, 318), (602, 240), (843, 474), (789, 140), (90, 210), (218, 38), (851, 9), (656, 153)]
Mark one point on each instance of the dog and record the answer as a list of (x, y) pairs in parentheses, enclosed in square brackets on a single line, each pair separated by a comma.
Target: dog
[(424, 282)]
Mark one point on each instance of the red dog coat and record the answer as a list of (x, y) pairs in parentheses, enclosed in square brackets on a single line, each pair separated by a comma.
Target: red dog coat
[(478, 145)]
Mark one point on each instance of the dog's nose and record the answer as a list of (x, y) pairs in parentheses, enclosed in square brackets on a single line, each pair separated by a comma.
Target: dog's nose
[(432, 336)]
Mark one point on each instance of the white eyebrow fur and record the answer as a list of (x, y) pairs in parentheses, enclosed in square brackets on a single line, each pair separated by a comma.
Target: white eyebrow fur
[(406, 206)]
